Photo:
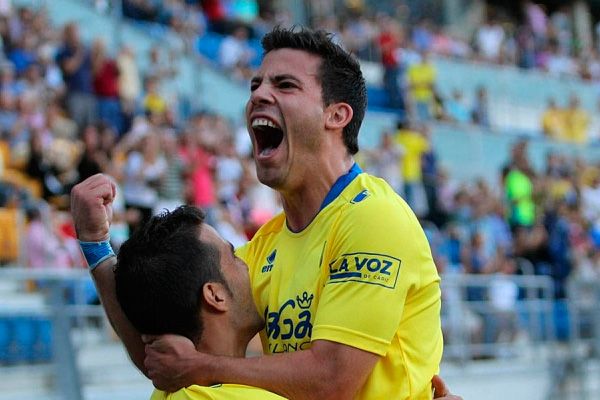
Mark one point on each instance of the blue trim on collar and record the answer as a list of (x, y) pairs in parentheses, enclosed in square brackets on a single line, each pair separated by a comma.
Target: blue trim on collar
[(341, 184)]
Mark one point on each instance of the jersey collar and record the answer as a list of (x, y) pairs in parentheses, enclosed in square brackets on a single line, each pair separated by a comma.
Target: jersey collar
[(341, 184)]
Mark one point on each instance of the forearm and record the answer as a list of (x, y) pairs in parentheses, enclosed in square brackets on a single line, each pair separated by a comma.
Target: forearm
[(104, 280), (322, 373)]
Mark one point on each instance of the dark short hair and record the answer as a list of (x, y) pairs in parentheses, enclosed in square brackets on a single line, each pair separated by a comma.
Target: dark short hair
[(161, 270), (339, 73)]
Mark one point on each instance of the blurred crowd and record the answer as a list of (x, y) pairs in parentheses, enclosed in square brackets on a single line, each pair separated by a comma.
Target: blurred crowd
[(403, 42), (70, 109), (534, 222)]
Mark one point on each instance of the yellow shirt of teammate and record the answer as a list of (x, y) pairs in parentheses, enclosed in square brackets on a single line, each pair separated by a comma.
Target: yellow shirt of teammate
[(216, 392), (360, 274)]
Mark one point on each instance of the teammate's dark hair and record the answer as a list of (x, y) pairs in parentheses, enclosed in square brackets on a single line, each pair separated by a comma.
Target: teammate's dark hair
[(161, 270), (339, 74)]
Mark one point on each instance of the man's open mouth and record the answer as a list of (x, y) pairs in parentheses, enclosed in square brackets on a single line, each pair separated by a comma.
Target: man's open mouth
[(268, 136)]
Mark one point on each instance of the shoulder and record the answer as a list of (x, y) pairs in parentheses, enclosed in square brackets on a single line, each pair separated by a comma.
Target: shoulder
[(371, 207), (372, 195)]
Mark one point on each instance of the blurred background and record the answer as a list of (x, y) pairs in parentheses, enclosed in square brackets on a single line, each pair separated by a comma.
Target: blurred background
[(483, 115)]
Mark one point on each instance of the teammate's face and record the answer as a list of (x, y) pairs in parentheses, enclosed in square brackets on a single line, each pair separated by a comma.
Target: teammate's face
[(285, 117), (243, 312)]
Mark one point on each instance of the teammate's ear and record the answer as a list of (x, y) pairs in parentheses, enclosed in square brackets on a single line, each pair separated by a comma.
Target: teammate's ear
[(216, 296), (338, 115)]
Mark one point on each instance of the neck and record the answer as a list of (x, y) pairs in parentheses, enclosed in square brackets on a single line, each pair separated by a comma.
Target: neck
[(303, 203), (219, 339)]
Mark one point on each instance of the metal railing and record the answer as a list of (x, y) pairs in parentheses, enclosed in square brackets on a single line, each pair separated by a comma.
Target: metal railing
[(62, 307)]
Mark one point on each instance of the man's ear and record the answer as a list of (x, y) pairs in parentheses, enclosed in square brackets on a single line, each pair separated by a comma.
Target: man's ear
[(216, 296), (338, 115)]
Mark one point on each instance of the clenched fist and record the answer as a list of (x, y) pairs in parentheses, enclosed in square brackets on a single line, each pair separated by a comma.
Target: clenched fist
[(91, 207)]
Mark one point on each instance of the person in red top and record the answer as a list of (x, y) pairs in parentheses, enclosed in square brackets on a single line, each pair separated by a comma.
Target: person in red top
[(105, 75), (389, 41)]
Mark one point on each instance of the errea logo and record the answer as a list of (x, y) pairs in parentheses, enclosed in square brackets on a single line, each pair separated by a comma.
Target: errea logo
[(270, 261), (360, 197), (371, 268)]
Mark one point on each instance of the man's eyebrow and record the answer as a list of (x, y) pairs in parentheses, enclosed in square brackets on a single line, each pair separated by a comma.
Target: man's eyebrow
[(283, 77)]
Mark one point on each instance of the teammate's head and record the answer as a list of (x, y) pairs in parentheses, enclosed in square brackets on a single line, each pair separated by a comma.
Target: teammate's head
[(163, 269), (339, 74)]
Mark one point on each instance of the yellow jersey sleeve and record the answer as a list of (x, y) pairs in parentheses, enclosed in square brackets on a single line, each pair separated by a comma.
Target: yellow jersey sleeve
[(217, 392)]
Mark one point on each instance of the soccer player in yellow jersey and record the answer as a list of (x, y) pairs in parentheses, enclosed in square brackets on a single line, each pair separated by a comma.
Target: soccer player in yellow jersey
[(344, 277), (177, 275)]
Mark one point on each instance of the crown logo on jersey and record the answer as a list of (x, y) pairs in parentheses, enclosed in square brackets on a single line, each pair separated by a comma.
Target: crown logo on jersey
[(305, 302), (270, 261)]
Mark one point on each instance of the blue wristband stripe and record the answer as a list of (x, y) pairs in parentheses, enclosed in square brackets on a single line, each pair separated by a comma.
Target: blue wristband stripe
[(96, 252)]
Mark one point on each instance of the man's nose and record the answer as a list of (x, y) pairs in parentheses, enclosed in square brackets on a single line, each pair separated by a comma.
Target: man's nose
[(262, 95)]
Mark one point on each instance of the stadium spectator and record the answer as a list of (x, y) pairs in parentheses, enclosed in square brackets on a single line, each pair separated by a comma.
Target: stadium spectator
[(385, 162), (235, 54), (503, 296), (75, 62), (51, 73), (24, 52), (8, 115), (47, 246), (388, 41), (518, 186), (488, 39), (590, 203), (421, 78), (456, 109), (171, 186), (553, 121), (143, 170), (480, 112), (415, 146), (105, 74), (199, 164), (130, 87), (58, 123), (93, 160), (577, 122), (154, 103), (228, 171)]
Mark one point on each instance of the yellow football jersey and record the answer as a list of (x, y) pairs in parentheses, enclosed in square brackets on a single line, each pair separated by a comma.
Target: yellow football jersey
[(360, 274), (216, 392)]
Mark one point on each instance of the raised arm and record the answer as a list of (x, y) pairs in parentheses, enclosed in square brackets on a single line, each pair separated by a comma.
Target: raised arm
[(91, 207)]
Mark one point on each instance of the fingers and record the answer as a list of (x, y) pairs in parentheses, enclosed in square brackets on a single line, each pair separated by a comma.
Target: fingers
[(439, 386), (149, 339), (97, 186)]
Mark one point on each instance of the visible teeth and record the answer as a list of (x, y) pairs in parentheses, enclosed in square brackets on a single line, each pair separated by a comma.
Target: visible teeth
[(267, 152), (263, 122)]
